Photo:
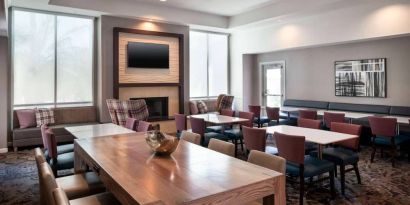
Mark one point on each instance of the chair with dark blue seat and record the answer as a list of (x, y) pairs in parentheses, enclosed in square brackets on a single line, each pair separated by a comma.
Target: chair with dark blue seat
[(218, 128), (329, 117), (181, 123), (385, 136), (273, 114), (198, 126), (255, 139), (345, 152), (256, 110), (312, 124), (292, 149), (236, 135), (61, 149), (308, 114)]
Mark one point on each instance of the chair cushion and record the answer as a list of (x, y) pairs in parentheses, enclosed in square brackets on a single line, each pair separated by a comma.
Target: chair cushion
[(271, 150), (210, 135), (386, 141), (310, 146), (338, 155), (65, 161), (234, 134), (217, 129), (313, 167), (281, 122), (62, 149), (80, 185), (400, 110), (380, 109)]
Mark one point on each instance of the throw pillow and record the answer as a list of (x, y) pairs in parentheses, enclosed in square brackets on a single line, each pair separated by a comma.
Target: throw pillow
[(45, 116), (202, 108), (26, 118), (193, 107)]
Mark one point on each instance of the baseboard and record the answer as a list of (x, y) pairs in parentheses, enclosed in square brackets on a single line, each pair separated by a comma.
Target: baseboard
[(4, 150)]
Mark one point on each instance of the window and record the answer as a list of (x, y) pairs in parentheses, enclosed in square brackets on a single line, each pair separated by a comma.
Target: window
[(208, 64), (52, 59)]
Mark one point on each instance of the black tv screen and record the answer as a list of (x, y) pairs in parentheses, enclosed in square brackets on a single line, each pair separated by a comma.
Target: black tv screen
[(148, 55)]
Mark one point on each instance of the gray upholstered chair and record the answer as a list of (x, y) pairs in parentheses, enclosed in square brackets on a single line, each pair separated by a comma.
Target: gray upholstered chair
[(222, 147), (191, 137)]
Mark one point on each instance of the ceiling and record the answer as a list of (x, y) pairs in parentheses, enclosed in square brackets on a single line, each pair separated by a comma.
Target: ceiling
[(218, 7)]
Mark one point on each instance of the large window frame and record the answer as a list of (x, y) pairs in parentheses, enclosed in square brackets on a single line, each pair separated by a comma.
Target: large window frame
[(208, 96), (55, 102)]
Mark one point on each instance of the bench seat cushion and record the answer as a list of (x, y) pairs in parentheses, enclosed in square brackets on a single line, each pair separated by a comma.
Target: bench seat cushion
[(377, 109)]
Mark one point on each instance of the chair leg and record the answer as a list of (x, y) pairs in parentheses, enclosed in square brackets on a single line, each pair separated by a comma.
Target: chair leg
[(241, 140), (335, 171), (235, 142), (332, 184), (356, 170), (373, 152), (342, 178), (394, 150)]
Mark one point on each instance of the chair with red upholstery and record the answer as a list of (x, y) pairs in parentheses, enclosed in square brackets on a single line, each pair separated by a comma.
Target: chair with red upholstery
[(308, 114), (256, 110), (181, 123), (255, 139), (292, 149), (61, 149), (312, 124), (218, 128), (329, 117), (273, 114), (131, 123), (345, 153), (385, 136), (236, 134), (144, 126), (198, 126)]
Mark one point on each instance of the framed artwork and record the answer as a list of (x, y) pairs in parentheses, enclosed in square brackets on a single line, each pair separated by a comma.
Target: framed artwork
[(361, 78)]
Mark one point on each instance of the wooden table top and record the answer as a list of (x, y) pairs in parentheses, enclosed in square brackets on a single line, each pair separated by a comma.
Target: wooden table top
[(322, 137), (99, 130), (219, 119), (191, 175)]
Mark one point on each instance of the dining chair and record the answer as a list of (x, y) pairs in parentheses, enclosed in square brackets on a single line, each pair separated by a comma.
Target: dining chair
[(60, 198), (345, 152), (266, 160), (273, 114), (75, 186), (312, 124), (329, 117), (181, 123), (57, 161), (222, 147), (218, 128), (191, 137), (255, 139), (131, 123), (61, 149), (385, 136), (308, 114), (236, 135), (198, 126), (291, 147), (144, 126), (256, 110)]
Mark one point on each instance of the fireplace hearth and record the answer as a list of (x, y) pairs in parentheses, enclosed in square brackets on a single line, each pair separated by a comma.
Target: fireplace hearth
[(157, 107)]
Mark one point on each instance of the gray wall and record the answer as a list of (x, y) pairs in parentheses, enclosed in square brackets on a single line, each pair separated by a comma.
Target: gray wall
[(105, 49), (4, 93), (310, 71)]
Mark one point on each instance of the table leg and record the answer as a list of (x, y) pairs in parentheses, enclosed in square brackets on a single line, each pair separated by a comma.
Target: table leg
[(351, 120), (79, 165), (320, 151), (280, 193)]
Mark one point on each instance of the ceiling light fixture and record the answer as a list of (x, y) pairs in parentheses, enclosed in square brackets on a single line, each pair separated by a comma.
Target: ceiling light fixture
[(163, 0)]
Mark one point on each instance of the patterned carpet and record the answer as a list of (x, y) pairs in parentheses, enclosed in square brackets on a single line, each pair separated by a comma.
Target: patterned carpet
[(381, 184)]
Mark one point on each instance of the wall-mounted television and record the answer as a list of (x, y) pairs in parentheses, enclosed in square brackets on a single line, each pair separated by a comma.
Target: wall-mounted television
[(147, 55)]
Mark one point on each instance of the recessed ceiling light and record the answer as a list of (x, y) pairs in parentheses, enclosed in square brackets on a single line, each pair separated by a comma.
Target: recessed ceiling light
[(163, 0)]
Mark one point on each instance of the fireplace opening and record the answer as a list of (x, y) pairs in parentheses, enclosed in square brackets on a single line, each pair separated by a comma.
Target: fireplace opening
[(157, 107)]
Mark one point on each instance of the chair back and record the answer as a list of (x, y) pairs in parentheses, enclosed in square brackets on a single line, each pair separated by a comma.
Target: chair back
[(48, 182), (254, 138), (330, 117), (308, 114), (44, 128), (228, 112), (181, 122), (51, 143), (218, 101), (346, 128), (249, 116), (60, 197), (197, 125), (144, 126), (222, 147), (307, 123), (383, 126), (131, 123), (225, 103), (269, 161), (272, 113), (191, 137), (291, 147), (255, 109), (39, 157)]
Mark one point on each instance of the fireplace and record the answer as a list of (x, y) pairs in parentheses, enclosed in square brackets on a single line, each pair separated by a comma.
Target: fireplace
[(157, 107)]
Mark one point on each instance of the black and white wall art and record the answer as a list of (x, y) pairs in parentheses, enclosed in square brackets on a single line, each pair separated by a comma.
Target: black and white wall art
[(361, 78)]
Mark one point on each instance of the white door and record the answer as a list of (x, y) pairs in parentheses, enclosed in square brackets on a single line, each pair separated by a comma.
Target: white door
[(273, 86)]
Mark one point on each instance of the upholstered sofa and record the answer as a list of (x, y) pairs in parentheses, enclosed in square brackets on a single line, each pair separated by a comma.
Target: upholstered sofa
[(64, 117)]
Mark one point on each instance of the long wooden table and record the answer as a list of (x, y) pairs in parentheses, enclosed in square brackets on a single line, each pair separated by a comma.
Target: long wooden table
[(99, 130), (191, 175), (320, 137)]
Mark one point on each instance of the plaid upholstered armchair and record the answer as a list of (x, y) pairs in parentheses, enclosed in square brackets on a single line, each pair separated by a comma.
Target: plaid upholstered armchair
[(120, 110)]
